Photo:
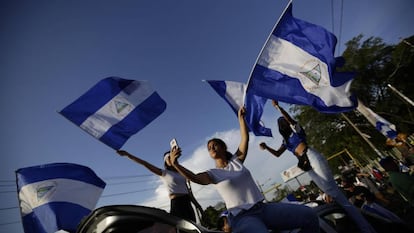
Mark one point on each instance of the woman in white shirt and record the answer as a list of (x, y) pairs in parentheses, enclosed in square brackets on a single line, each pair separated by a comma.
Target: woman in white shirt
[(180, 195), (243, 199)]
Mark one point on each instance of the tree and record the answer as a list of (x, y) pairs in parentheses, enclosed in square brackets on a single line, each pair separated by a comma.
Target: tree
[(376, 65), (210, 217)]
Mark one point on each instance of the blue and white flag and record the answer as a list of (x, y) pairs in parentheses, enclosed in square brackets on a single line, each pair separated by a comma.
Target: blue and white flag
[(233, 93), (297, 66), (115, 109), (56, 196), (382, 125)]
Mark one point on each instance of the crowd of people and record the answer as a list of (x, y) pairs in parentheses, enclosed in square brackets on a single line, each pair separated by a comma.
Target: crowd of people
[(246, 208)]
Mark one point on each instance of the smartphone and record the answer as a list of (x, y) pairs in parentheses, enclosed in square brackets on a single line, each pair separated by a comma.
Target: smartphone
[(173, 143)]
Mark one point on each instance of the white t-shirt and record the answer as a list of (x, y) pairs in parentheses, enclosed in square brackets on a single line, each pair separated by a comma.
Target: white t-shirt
[(176, 183), (236, 186)]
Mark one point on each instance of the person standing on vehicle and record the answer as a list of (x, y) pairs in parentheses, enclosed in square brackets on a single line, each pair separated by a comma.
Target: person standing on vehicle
[(402, 182), (294, 140), (244, 201), (364, 199), (180, 195), (223, 222)]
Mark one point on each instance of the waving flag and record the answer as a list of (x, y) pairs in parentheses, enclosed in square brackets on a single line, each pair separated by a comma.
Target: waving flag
[(115, 109), (297, 66), (233, 94), (56, 196), (382, 125)]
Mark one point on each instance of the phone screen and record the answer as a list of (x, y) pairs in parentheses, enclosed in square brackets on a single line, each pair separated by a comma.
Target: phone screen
[(173, 143)]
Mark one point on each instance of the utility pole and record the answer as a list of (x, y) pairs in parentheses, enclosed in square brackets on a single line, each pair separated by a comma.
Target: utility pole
[(361, 134), (401, 95)]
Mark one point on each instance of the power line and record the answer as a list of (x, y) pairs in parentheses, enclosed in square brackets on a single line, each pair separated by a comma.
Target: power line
[(9, 208), (8, 181), (136, 181), (136, 191), (341, 13), (9, 223), (104, 178), (103, 196), (7, 185), (126, 177), (332, 16), (13, 191), (340, 26)]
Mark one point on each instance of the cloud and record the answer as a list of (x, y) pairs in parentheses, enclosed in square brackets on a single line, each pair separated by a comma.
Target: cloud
[(265, 168)]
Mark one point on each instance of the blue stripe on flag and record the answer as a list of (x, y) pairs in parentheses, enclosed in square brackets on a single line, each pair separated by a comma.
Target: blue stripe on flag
[(34, 174), (115, 109), (381, 124), (56, 196), (232, 93), (119, 133), (297, 66), (96, 97), (386, 130), (312, 38), (254, 110), (41, 221), (221, 88)]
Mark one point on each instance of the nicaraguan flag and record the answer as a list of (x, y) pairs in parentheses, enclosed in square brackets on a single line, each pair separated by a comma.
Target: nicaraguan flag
[(115, 109), (56, 196), (297, 66), (233, 93), (382, 125)]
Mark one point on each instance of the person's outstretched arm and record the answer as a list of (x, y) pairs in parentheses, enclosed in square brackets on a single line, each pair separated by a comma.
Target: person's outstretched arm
[(274, 152), (244, 134), (152, 168), (200, 178), (283, 112)]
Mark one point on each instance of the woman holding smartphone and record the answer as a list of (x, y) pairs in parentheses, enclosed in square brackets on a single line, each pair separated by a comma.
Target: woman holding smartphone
[(245, 203), (180, 194)]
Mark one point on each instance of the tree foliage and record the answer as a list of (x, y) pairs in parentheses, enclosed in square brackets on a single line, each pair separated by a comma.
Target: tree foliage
[(376, 65), (211, 217)]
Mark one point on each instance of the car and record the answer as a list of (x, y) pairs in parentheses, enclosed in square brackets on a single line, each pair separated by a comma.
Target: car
[(334, 219), (136, 219), (143, 219)]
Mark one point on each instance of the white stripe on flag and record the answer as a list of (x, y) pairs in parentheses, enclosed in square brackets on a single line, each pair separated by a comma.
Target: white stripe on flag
[(375, 119), (234, 93), (110, 114), (58, 190), (291, 60)]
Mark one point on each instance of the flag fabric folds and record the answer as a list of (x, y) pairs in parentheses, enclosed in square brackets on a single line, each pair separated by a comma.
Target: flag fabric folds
[(56, 196), (233, 93), (382, 125), (115, 109), (297, 66)]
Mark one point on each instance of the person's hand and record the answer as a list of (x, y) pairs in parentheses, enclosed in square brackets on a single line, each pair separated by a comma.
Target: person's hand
[(242, 112), (122, 153), (275, 103), (263, 146), (175, 153)]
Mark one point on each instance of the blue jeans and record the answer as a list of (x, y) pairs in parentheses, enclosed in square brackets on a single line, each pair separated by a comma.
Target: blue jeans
[(275, 216), (322, 176)]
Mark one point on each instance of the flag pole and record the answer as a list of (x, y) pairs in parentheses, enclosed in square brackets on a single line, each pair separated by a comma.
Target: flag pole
[(401, 95), (361, 134), (261, 51)]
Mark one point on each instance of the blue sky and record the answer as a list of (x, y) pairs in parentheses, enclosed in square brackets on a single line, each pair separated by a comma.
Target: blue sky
[(53, 51)]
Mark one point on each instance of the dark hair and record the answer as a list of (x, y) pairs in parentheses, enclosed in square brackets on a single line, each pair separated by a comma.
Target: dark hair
[(171, 168), (223, 144), (220, 223), (389, 164), (284, 128)]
